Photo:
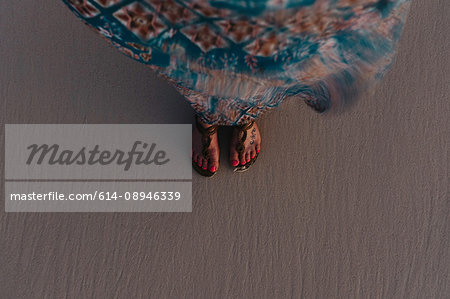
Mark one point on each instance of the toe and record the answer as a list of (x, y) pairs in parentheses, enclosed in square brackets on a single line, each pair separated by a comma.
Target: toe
[(258, 148), (243, 160), (247, 157), (252, 154), (213, 166), (234, 158), (204, 163)]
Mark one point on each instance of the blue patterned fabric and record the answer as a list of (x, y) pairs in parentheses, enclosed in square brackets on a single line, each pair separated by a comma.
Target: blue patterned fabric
[(234, 60)]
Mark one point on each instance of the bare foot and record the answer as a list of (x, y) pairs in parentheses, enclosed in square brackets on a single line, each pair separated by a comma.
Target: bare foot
[(212, 163), (252, 146)]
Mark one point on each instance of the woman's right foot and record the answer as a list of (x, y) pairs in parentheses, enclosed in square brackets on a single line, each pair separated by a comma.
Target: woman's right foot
[(210, 163), (250, 146)]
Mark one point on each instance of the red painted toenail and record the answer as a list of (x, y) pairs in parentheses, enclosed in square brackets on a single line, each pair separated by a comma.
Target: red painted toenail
[(200, 164), (195, 160), (242, 163), (257, 151), (253, 156), (213, 168), (248, 160), (234, 162)]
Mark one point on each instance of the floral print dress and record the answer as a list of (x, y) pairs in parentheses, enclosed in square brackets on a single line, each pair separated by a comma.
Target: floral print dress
[(234, 60)]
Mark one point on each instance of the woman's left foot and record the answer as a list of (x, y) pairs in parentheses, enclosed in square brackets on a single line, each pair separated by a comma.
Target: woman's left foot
[(245, 146), (205, 148)]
